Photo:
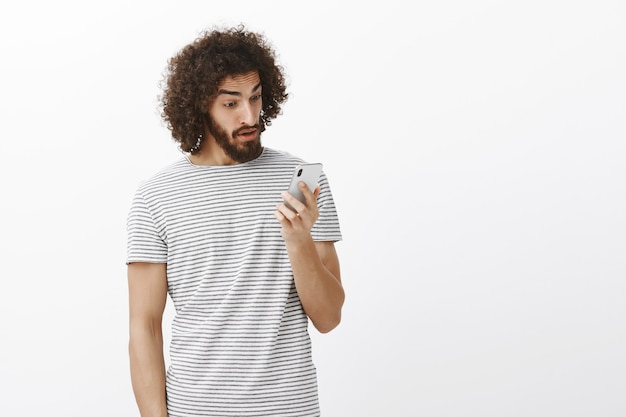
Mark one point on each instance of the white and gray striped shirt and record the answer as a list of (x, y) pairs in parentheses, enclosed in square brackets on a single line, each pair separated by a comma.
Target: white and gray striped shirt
[(240, 343)]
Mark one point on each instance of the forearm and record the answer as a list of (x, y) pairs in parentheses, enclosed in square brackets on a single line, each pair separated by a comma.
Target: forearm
[(147, 367), (320, 291)]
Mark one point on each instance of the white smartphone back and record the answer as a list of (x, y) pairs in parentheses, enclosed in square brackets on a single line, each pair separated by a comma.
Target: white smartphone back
[(310, 174)]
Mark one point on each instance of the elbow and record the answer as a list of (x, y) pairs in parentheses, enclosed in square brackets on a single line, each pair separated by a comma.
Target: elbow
[(329, 324), (332, 319), (328, 317), (144, 331)]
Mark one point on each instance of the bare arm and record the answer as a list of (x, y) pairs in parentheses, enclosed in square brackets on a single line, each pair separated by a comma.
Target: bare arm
[(315, 264), (147, 290)]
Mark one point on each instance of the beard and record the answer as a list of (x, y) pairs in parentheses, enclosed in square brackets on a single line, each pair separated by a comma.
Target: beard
[(239, 152)]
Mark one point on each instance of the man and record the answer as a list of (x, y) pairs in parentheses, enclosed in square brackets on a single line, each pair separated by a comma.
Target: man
[(245, 273)]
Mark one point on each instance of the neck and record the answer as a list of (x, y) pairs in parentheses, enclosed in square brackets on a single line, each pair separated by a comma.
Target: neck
[(210, 153)]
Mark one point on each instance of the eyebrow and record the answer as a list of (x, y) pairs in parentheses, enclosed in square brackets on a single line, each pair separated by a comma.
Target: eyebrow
[(237, 93)]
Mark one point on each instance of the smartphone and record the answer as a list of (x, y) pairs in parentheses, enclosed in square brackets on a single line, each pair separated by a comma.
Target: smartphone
[(310, 174)]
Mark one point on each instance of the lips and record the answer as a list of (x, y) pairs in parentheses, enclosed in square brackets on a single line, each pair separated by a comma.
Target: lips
[(247, 134)]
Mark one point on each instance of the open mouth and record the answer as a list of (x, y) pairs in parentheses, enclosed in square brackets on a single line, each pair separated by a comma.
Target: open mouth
[(247, 134)]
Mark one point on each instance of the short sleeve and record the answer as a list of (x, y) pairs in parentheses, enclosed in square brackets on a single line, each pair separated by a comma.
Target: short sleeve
[(326, 228), (144, 243)]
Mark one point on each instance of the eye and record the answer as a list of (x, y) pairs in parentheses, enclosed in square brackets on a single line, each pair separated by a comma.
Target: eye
[(256, 97), (230, 104)]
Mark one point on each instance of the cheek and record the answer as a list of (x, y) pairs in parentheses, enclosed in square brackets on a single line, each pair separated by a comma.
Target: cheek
[(222, 120)]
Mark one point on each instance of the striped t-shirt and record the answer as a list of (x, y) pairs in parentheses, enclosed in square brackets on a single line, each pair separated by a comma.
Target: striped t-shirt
[(240, 344)]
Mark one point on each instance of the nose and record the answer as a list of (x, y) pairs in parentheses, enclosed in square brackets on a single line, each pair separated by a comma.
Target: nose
[(248, 115)]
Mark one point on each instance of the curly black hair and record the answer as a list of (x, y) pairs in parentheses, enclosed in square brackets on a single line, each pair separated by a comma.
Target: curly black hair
[(195, 72)]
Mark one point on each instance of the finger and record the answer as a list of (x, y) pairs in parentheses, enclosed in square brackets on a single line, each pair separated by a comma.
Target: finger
[(310, 197), (293, 202), (282, 219), (286, 213)]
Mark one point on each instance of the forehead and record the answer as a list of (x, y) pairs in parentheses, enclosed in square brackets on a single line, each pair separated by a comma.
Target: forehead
[(240, 83)]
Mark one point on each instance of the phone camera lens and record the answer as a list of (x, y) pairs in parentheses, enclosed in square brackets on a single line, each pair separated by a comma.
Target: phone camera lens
[(299, 172)]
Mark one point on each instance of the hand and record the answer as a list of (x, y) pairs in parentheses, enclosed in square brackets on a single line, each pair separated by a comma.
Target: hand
[(297, 224)]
